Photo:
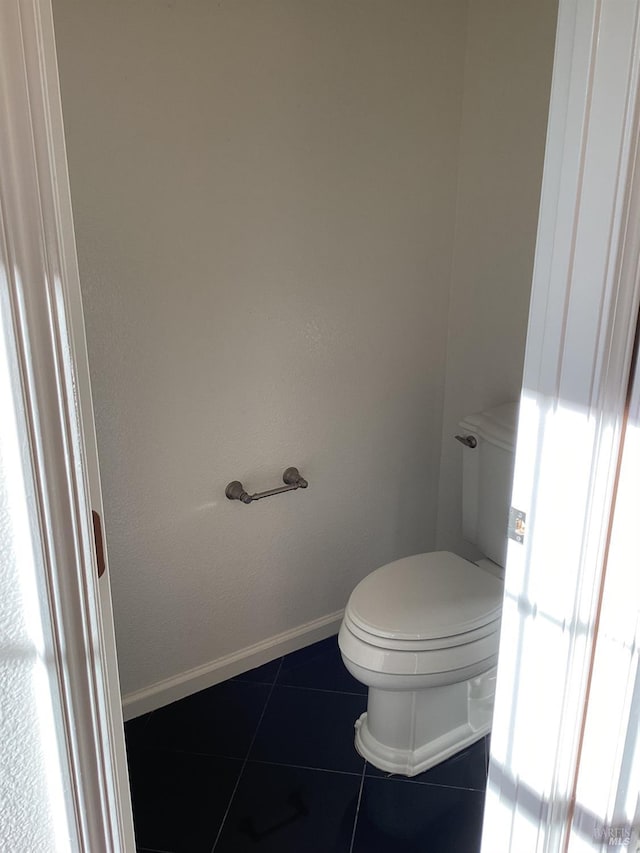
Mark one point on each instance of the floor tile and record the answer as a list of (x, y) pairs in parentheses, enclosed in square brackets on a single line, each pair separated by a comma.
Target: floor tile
[(265, 674), (467, 769), (219, 721), (298, 792), (135, 730), (398, 817), (310, 728), (290, 810), (319, 667), (179, 800)]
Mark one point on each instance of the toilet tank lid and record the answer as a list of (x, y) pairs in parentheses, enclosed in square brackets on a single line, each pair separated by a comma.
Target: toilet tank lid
[(497, 426), (426, 596)]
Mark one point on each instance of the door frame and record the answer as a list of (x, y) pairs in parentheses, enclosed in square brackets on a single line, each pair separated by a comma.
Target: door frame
[(573, 411), (39, 269)]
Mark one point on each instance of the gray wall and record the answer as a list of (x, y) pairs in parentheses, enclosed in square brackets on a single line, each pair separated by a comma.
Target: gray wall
[(507, 81), (264, 196)]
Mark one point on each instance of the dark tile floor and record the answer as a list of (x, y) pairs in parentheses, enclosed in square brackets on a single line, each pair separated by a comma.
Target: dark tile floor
[(265, 763)]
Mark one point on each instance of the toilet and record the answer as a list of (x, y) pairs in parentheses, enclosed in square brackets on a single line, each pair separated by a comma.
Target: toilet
[(422, 632)]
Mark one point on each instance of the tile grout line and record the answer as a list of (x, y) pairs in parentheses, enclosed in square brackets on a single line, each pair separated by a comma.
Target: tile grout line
[(304, 767), (302, 687), (374, 776), (146, 722), (407, 780), (152, 850), (355, 819), (322, 690), (246, 759), (144, 726), (427, 784), (259, 761)]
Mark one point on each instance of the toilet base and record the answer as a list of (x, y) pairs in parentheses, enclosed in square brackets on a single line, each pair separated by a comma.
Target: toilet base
[(408, 732)]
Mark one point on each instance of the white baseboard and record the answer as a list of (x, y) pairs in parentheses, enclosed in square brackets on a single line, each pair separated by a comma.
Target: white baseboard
[(185, 683)]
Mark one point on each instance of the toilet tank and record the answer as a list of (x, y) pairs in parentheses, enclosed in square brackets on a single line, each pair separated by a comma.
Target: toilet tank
[(487, 475)]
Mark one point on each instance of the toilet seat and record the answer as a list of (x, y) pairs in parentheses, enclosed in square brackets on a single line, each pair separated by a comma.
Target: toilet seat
[(445, 662), (420, 645), (424, 615), (429, 600)]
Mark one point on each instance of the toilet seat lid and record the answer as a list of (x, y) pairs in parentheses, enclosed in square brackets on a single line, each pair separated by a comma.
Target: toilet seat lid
[(426, 596)]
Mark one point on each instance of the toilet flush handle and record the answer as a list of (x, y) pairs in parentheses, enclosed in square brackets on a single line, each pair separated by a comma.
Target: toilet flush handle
[(468, 440)]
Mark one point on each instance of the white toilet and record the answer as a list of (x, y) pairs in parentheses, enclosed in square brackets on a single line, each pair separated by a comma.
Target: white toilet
[(422, 632)]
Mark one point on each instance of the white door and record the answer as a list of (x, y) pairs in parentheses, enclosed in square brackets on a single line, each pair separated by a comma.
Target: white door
[(64, 779)]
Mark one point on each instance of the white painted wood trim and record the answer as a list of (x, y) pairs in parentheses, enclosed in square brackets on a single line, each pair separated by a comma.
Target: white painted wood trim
[(607, 802), (582, 323), (39, 258), (200, 677)]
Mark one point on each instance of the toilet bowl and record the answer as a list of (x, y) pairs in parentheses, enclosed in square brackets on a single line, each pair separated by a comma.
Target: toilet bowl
[(422, 632)]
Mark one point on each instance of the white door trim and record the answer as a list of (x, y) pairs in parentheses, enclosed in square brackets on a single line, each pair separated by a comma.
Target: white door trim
[(582, 323), (37, 253)]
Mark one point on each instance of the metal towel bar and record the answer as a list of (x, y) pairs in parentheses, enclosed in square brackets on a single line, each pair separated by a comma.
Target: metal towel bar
[(235, 491)]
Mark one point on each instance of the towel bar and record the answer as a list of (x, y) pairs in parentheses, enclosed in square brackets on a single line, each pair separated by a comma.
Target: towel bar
[(235, 491)]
